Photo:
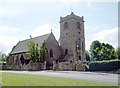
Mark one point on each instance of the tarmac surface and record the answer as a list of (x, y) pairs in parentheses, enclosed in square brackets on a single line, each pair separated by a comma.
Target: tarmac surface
[(94, 76)]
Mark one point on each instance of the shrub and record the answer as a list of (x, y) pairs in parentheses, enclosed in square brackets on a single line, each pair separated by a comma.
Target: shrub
[(111, 65), (49, 68)]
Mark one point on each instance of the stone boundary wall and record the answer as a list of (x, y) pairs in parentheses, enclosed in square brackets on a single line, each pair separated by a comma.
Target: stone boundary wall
[(29, 67), (80, 67), (68, 66)]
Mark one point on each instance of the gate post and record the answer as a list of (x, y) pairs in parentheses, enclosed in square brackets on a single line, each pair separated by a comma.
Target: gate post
[(54, 65), (45, 65)]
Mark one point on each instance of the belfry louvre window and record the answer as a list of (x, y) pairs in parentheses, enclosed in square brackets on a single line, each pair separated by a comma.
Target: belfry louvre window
[(78, 25), (65, 25)]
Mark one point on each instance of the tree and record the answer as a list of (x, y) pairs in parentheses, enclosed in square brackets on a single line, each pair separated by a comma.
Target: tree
[(33, 52), (110, 51), (94, 45), (102, 51), (3, 58), (93, 51), (42, 52), (87, 55), (118, 52)]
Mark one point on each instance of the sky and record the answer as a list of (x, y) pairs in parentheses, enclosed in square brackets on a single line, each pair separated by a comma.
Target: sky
[(21, 18)]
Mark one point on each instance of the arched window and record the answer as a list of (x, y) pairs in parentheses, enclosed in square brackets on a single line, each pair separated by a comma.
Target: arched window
[(79, 57), (78, 25), (51, 53), (22, 60), (65, 25), (13, 59), (66, 51), (79, 44), (16, 61), (82, 47)]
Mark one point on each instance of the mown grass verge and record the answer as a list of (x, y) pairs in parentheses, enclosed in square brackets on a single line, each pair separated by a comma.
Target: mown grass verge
[(16, 79)]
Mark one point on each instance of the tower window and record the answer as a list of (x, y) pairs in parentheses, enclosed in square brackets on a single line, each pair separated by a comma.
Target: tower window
[(78, 25), (79, 57), (66, 51), (65, 25), (78, 32), (51, 53), (79, 44), (82, 47)]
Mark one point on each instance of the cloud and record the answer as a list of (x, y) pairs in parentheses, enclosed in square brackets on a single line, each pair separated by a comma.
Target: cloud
[(41, 30), (107, 36), (44, 29), (119, 37), (89, 5), (87, 44), (14, 1), (6, 28), (2, 10), (92, 28), (64, 1), (6, 43), (11, 11)]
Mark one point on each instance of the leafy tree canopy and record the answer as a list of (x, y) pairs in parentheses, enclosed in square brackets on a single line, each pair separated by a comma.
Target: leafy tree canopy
[(102, 51), (118, 52), (42, 52), (87, 55), (94, 45), (35, 54)]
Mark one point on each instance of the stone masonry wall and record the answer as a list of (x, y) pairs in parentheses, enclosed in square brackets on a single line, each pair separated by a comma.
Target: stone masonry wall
[(68, 66), (51, 43), (31, 66)]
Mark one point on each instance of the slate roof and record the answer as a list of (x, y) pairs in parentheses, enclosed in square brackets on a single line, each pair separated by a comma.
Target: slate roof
[(22, 45)]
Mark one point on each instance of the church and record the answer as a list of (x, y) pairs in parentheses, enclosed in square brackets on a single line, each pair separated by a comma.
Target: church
[(69, 48)]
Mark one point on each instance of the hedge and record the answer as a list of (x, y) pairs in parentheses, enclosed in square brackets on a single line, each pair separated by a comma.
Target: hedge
[(111, 65)]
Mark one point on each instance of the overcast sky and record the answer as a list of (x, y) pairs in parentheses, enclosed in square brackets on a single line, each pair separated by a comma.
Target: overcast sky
[(21, 18)]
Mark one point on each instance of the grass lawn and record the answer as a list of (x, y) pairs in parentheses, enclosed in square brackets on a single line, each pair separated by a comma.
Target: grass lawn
[(16, 79)]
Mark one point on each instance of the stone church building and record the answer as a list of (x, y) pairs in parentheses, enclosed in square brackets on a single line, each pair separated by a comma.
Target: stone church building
[(69, 48)]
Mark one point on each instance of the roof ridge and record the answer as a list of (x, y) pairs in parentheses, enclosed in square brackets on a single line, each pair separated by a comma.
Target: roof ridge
[(35, 37), (22, 45)]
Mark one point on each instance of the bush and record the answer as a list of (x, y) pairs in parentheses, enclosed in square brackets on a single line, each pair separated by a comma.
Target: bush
[(49, 68), (111, 65)]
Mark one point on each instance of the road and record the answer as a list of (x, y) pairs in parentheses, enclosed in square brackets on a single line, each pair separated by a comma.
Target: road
[(101, 77)]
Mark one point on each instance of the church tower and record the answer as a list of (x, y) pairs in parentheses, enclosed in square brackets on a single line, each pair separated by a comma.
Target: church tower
[(72, 36)]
